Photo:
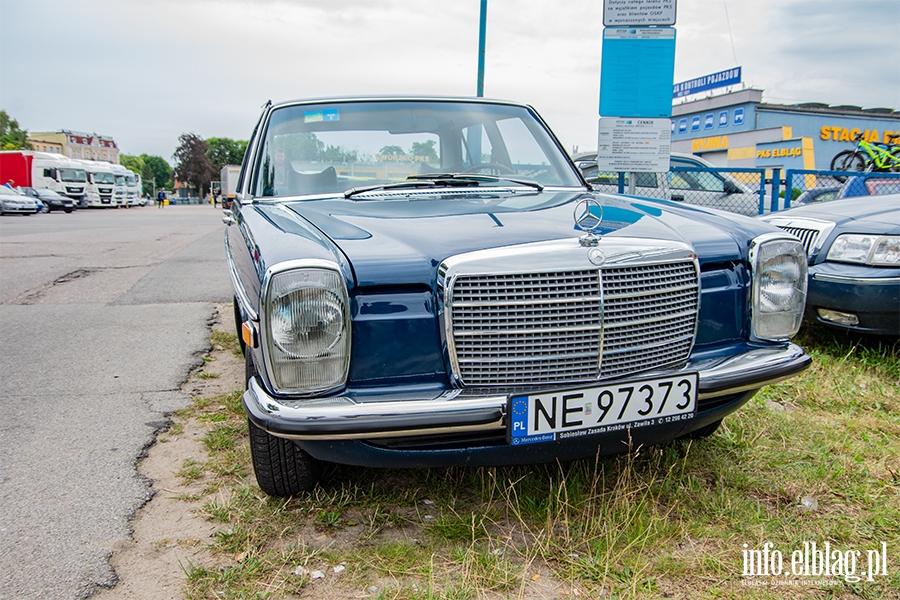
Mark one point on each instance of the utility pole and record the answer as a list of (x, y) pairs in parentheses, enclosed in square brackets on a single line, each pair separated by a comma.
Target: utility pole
[(481, 36)]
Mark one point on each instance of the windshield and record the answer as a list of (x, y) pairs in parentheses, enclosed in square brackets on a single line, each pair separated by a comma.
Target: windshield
[(131, 180), (72, 175), (103, 178), (120, 180), (331, 148)]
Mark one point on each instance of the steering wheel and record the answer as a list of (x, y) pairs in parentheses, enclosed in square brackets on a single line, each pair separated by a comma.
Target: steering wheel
[(500, 169)]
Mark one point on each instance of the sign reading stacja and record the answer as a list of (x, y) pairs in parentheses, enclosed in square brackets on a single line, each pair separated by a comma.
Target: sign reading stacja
[(636, 72), (707, 82)]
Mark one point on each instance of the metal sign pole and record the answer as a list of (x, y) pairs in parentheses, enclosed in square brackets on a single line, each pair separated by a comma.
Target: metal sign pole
[(482, 33)]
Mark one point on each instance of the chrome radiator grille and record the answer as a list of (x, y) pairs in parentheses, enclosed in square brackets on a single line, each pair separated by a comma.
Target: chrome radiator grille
[(545, 328), (807, 236)]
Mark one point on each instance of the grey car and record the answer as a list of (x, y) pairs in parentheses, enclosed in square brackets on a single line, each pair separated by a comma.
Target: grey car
[(694, 185), (13, 202)]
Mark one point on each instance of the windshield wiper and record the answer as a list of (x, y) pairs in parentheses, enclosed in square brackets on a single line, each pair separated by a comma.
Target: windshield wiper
[(475, 177), (387, 186)]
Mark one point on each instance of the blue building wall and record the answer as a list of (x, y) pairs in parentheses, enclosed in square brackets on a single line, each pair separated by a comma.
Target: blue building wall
[(831, 129), (830, 133)]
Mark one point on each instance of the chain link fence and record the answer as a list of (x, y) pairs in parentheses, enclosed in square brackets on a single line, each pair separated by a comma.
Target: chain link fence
[(743, 191)]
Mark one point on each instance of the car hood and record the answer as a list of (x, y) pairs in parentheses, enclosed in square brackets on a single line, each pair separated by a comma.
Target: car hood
[(404, 237), (873, 213)]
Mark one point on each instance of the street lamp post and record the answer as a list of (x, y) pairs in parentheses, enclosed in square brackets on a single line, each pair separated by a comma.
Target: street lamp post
[(482, 33)]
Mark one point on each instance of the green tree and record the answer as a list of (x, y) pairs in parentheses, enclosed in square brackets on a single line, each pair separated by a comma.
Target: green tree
[(425, 149), (192, 163), (157, 170), (226, 151), (11, 137), (300, 146), (337, 154), (392, 151), (132, 163)]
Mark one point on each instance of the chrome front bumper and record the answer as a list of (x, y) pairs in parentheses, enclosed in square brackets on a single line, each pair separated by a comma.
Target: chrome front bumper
[(384, 416)]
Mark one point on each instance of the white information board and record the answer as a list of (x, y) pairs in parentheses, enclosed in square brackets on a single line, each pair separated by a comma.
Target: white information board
[(637, 13), (636, 145)]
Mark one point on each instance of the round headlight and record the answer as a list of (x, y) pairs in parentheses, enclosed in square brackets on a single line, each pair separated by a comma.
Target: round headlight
[(779, 286), (308, 322), (778, 283)]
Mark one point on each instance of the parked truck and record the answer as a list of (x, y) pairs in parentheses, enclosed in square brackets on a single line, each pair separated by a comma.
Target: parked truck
[(26, 168), (229, 177), (132, 182), (120, 189), (100, 183)]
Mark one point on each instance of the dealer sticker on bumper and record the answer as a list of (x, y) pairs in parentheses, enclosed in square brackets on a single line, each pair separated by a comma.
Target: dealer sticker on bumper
[(559, 415)]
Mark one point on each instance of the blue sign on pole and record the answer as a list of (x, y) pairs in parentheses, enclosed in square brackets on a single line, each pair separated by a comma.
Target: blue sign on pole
[(707, 82), (636, 72)]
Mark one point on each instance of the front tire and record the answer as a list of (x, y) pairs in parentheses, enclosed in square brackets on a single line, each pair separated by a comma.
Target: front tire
[(703, 432), (281, 467)]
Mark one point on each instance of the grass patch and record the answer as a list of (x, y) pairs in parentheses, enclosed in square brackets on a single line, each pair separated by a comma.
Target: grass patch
[(647, 525), (225, 340), (207, 375)]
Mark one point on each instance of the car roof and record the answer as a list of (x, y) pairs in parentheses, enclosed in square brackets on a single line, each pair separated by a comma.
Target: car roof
[(389, 98), (884, 207)]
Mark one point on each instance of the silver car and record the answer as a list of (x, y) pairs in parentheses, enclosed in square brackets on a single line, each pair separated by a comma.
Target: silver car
[(693, 186), (12, 202)]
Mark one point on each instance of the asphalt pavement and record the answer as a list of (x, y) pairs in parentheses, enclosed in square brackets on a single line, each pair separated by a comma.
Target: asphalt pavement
[(103, 314)]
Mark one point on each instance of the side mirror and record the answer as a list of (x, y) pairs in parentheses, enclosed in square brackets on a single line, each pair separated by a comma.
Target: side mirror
[(732, 187)]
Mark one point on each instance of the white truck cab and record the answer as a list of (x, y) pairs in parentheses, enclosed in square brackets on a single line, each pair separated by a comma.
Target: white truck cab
[(120, 189), (62, 175), (132, 183), (100, 183)]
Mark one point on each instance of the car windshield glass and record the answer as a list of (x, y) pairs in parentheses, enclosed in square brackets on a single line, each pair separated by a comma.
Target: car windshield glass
[(72, 175), (120, 180), (103, 178), (131, 180), (335, 147)]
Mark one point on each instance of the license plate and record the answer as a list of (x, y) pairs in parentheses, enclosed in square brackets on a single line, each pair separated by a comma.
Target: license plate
[(559, 415)]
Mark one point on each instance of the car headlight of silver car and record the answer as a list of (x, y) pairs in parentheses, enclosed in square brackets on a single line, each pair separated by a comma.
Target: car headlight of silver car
[(307, 329), (875, 250), (779, 271)]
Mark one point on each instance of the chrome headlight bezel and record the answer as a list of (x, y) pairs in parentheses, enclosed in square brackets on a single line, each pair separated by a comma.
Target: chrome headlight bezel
[(779, 270), (305, 327), (873, 249)]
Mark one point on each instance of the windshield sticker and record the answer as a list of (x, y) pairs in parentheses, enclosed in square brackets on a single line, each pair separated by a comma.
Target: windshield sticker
[(315, 116)]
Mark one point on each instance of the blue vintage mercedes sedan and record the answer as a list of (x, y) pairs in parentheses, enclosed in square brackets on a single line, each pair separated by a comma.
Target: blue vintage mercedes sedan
[(425, 282)]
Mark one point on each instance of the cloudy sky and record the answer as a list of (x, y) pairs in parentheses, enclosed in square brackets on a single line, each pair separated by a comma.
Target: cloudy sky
[(146, 71)]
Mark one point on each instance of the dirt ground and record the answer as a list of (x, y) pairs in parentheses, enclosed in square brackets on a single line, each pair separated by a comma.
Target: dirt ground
[(168, 535)]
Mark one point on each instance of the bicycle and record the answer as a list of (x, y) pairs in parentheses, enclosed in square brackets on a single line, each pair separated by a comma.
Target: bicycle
[(868, 157)]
